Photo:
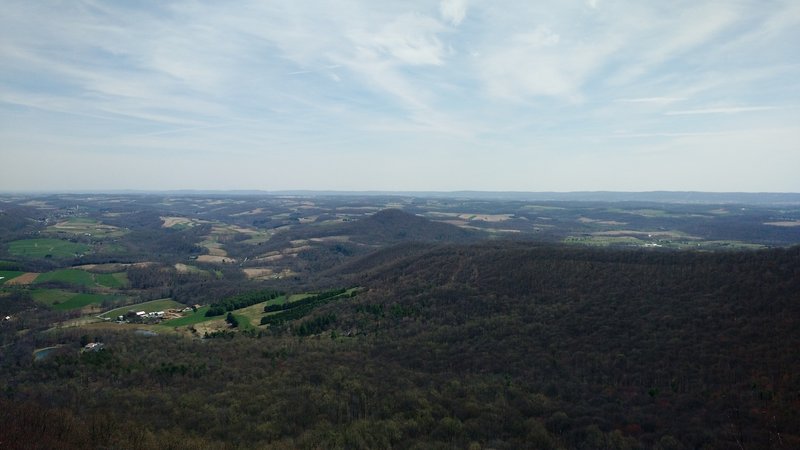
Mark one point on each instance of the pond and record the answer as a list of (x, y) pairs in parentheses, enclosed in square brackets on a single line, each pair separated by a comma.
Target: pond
[(42, 353)]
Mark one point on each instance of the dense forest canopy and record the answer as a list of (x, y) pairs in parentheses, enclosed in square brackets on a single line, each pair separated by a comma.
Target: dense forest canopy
[(387, 329)]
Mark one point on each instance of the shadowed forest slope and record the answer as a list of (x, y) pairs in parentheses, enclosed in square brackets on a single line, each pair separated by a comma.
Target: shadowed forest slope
[(491, 345)]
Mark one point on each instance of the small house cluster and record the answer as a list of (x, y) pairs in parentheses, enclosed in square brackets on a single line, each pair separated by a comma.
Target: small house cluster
[(93, 347), (142, 317)]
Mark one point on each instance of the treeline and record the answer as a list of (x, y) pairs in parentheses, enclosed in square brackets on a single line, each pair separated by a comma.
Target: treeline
[(305, 301), (241, 301), (194, 287), (300, 308), (161, 276), (316, 325)]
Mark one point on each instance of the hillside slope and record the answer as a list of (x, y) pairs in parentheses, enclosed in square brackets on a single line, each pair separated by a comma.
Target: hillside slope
[(704, 348), (491, 345)]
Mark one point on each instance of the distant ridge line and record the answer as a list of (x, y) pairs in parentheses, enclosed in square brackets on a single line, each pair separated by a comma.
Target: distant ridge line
[(584, 196)]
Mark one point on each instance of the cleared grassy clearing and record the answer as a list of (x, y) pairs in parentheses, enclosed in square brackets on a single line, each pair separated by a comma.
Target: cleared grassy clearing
[(296, 297), (41, 248), (82, 300), (258, 238), (215, 259), (6, 275), (151, 306), (64, 300), (252, 314), (122, 277), (86, 226), (111, 280), (301, 308), (244, 322), (186, 268), (214, 248), (71, 276), (103, 268), (51, 296), (258, 272), (178, 223), (110, 248)]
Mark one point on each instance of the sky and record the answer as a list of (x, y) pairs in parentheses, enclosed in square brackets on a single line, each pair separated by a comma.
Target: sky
[(561, 95)]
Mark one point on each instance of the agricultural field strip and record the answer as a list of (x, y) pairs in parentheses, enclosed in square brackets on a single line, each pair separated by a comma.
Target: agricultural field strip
[(65, 300), (24, 279), (86, 226), (784, 223), (472, 216), (8, 275), (84, 278), (41, 248), (659, 234), (81, 300)]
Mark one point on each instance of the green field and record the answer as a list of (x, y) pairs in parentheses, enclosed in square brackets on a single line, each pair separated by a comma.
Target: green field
[(151, 306), (258, 238), (244, 322), (191, 319), (81, 300), (292, 298), (63, 300), (112, 280), (42, 248), (6, 275), (51, 297), (86, 226), (79, 277), (110, 248), (71, 276), (251, 315)]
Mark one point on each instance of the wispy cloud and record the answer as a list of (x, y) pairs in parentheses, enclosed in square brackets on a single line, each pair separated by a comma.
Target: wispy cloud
[(452, 79), (655, 100), (722, 110), (453, 11), (409, 39)]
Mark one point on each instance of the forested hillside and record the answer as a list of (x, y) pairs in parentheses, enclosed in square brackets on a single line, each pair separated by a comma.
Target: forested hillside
[(494, 345)]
